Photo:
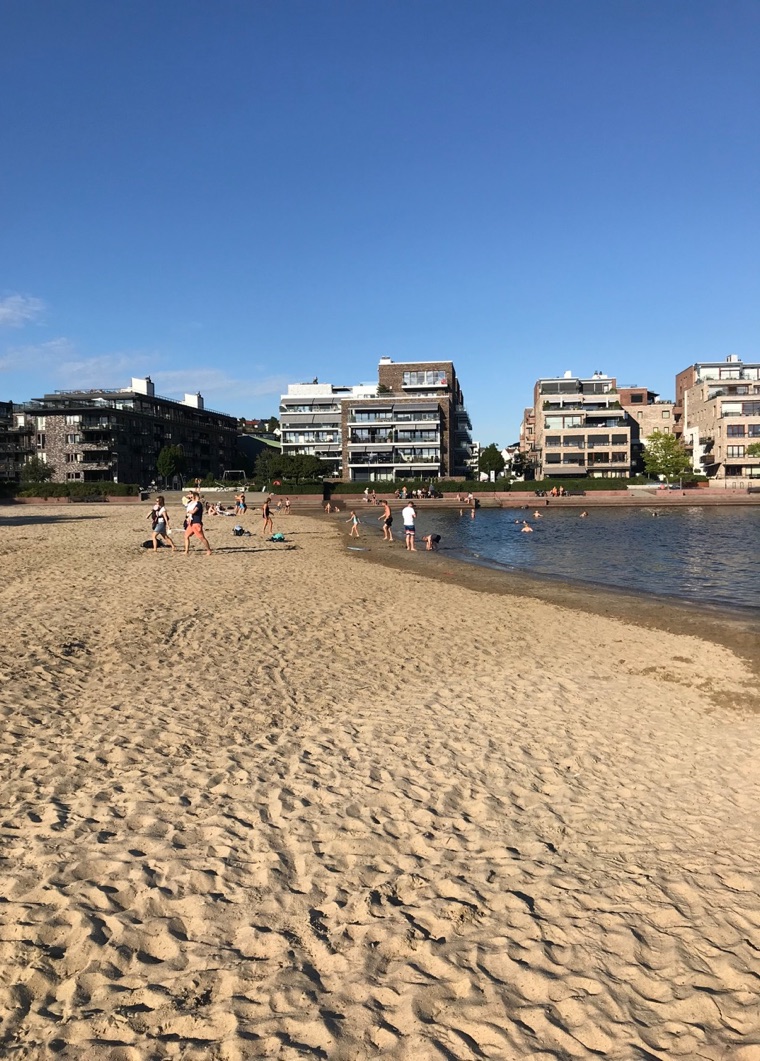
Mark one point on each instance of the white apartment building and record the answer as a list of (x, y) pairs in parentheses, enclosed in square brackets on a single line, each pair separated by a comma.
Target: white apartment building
[(310, 421)]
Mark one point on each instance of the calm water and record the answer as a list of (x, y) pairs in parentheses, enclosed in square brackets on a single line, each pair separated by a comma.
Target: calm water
[(710, 555)]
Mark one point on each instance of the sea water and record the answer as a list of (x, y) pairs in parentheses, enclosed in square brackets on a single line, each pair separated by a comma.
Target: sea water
[(703, 554)]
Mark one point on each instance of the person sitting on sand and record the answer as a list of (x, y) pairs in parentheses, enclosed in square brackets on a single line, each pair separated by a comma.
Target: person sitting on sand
[(431, 542)]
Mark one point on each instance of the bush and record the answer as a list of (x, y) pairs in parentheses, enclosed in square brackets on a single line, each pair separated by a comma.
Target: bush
[(96, 489)]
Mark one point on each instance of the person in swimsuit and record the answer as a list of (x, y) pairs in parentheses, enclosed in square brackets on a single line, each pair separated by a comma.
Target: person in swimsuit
[(266, 515), (387, 520)]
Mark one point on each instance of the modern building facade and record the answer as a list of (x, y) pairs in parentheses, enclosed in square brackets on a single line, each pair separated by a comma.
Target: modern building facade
[(17, 441), (117, 434), (311, 421), (580, 429), (647, 413), (411, 424), (719, 402)]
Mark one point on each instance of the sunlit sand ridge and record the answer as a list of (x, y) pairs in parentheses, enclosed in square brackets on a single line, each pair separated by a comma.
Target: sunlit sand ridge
[(282, 803)]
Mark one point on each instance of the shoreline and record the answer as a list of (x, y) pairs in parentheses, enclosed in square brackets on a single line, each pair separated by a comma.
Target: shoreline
[(736, 631)]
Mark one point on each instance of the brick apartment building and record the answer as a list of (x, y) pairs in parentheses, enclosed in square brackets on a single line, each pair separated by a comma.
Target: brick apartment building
[(117, 434), (719, 406)]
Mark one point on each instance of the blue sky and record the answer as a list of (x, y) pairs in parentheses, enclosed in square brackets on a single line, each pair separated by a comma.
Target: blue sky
[(231, 196)]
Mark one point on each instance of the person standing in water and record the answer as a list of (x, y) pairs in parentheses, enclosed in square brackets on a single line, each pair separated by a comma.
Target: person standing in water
[(387, 518)]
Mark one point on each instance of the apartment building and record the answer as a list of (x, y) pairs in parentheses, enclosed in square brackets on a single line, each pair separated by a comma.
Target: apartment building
[(647, 413), (311, 421), (17, 442), (411, 424), (720, 407), (580, 429), (117, 434)]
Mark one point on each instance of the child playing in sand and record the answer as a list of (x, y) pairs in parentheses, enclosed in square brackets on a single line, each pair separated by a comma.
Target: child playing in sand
[(353, 519), (431, 542)]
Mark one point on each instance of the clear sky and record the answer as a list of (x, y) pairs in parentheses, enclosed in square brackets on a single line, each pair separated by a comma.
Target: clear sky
[(230, 196)]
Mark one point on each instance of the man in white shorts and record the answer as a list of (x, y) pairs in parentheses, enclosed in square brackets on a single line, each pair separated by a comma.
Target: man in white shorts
[(409, 515)]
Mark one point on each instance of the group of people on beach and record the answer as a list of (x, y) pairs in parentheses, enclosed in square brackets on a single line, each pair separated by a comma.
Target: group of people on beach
[(195, 510), (408, 515)]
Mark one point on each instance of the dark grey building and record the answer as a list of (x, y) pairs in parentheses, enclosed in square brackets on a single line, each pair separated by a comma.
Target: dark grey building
[(105, 434)]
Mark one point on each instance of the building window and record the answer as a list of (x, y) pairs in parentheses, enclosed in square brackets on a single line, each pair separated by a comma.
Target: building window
[(734, 451), (72, 420), (73, 475), (753, 430), (666, 414), (735, 430), (637, 399), (40, 423), (41, 441), (426, 378)]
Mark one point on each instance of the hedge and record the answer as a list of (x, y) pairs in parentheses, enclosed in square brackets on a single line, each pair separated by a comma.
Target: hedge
[(95, 489)]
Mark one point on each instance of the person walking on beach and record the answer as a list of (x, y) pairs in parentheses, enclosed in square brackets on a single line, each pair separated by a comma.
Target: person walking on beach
[(266, 515), (160, 523), (353, 519), (287, 506), (194, 523), (387, 518), (409, 515)]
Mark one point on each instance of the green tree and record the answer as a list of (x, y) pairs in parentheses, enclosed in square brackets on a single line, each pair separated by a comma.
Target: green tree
[(305, 467), (37, 471), (170, 462), (270, 464), (272, 424), (665, 455), (753, 449), (491, 460)]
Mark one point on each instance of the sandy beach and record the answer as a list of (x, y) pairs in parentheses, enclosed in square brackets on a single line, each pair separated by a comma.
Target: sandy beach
[(296, 801)]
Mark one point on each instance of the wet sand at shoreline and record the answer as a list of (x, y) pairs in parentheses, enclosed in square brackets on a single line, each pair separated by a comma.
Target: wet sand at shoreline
[(296, 801)]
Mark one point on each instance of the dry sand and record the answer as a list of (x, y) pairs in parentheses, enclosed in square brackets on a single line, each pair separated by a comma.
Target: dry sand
[(284, 803)]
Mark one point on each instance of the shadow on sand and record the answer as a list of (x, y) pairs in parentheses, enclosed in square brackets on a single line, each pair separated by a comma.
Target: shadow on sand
[(22, 520)]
